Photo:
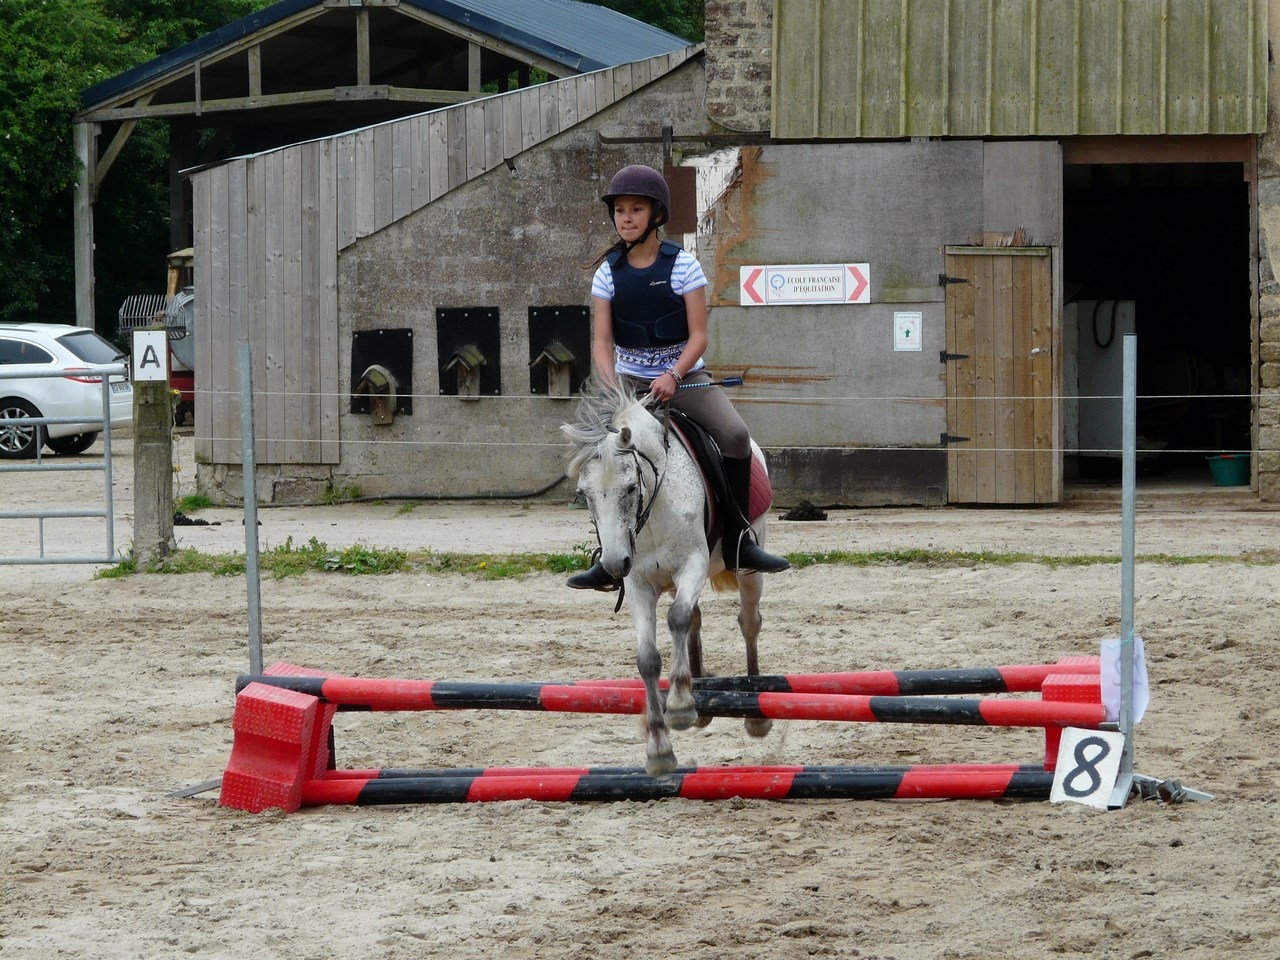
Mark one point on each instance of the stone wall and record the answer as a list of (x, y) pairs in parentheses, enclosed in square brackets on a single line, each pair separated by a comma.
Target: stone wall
[(739, 38), (1267, 344)]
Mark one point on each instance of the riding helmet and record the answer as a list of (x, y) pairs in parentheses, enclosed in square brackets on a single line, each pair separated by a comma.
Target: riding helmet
[(637, 180)]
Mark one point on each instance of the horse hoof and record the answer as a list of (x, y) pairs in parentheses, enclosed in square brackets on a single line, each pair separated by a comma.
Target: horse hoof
[(658, 765), (758, 726), (703, 722), (681, 719)]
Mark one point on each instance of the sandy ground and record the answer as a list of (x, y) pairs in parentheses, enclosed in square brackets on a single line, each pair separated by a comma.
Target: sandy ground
[(118, 692)]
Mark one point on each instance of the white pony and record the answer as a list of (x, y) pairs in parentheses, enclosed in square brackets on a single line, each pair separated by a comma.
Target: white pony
[(648, 502)]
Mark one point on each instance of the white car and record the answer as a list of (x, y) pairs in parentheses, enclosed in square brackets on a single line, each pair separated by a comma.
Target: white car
[(55, 346)]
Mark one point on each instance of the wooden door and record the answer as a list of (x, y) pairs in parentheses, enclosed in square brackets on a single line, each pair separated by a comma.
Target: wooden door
[(1001, 412)]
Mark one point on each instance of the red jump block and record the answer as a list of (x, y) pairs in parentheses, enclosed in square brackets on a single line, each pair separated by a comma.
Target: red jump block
[(1067, 688), (282, 739), (273, 733)]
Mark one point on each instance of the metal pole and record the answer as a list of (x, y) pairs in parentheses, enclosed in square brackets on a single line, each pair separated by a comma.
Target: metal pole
[(106, 470), (249, 476), (1129, 421)]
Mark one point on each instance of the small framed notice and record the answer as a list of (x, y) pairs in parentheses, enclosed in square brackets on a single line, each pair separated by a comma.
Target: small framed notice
[(906, 329)]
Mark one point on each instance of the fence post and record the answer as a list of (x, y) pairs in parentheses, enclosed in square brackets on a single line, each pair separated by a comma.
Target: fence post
[(152, 450)]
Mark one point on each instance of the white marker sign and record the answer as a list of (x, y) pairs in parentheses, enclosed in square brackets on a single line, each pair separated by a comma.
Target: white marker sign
[(1088, 765), (804, 284), (150, 355)]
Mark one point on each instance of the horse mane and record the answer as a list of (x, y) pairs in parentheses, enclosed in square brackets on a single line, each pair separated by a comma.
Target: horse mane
[(600, 410)]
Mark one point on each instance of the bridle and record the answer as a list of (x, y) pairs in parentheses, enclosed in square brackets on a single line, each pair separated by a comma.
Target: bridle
[(643, 510)]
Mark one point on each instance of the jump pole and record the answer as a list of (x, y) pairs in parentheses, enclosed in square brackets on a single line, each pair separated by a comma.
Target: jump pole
[(1019, 678), (388, 694), (922, 782)]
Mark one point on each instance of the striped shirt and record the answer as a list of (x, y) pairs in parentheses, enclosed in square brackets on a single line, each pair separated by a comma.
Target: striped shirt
[(648, 363)]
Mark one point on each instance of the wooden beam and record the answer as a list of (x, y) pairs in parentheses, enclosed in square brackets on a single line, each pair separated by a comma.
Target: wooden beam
[(362, 48), (382, 91), (372, 92), (113, 149), (473, 67), (255, 70), (86, 141), (1227, 148)]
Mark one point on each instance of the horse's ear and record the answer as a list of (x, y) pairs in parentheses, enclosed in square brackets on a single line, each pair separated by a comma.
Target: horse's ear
[(624, 438)]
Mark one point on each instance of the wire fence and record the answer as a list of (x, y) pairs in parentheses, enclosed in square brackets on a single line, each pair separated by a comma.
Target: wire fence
[(1198, 427)]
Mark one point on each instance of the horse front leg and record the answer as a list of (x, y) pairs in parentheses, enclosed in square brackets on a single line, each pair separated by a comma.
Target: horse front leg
[(749, 622), (659, 757), (697, 667), (683, 619)]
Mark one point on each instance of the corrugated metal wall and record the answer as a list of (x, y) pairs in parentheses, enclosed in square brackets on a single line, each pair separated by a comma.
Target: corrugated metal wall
[(268, 229), (847, 69)]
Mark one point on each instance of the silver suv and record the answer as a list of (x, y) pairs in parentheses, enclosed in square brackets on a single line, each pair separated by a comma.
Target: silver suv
[(42, 347)]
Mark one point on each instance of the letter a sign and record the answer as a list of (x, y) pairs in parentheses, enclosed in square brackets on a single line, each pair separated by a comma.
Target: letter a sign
[(150, 355)]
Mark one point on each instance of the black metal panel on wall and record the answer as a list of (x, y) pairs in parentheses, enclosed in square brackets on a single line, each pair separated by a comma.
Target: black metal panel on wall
[(460, 327), (571, 325), (392, 349)]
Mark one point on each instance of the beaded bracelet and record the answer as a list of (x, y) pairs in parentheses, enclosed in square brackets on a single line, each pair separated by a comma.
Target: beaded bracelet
[(675, 376)]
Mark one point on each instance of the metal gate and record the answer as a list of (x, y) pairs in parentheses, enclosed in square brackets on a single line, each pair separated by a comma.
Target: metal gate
[(105, 511), (1001, 414)]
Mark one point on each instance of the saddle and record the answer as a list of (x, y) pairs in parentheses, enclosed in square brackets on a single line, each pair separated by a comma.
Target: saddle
[(706, 454)]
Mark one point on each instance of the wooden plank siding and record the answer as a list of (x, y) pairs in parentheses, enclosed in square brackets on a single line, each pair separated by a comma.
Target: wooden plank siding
[(269, 228), (888, 69), (1000, 375)]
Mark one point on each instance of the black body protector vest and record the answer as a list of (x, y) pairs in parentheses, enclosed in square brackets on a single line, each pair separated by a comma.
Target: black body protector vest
[(646, 311)]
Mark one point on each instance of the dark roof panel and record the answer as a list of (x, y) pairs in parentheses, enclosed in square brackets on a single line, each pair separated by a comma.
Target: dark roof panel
[(579, 36), (583, 36)]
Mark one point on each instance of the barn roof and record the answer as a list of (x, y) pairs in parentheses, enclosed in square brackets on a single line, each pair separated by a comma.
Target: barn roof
[(578, 37)]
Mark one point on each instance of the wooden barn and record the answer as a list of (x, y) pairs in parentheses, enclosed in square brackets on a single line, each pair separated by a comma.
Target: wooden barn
[(1005, 191)]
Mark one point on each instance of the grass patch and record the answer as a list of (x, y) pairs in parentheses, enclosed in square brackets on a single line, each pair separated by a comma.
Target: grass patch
[(289, 560), (191, 503), (286, 560), (335, 495)]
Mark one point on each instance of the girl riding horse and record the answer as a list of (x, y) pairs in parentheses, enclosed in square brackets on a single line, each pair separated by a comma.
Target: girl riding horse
[(650, 331)]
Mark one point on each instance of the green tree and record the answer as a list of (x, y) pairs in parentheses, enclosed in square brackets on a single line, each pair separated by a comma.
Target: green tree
[(48, 52), (51, 50), (684, 18)]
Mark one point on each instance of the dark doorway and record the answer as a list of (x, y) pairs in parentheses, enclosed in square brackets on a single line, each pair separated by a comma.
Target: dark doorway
[(1160, 250)]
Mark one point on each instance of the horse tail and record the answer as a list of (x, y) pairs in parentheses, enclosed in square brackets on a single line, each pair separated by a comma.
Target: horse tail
[(725, 581)]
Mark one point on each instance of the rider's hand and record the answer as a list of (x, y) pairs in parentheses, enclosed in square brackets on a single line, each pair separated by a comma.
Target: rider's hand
[(663, 388)]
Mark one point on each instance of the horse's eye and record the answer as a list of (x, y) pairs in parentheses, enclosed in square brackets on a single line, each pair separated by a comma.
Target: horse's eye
[(631, 487)]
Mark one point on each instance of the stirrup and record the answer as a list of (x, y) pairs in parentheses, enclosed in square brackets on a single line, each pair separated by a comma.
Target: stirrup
[(751, 556), (596, 577)]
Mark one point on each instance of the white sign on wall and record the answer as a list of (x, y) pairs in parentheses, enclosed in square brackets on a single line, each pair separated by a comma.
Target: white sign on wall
[(906, 329), (804, 284), (150, 355)]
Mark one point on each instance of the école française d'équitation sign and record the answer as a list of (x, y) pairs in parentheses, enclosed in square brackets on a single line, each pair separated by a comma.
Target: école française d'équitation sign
[(796, 284)]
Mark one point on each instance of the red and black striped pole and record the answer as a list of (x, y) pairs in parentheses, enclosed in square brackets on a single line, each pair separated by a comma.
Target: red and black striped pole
[(390, 694), (920, 782)]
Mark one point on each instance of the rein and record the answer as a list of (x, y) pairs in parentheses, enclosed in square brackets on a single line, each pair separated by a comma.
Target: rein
[(643, 510)]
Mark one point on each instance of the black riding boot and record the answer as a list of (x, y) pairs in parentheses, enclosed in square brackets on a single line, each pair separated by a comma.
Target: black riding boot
[(741, 552), (595, 577)]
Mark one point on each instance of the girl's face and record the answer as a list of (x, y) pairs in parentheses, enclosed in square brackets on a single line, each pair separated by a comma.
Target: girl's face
[(631, 216)]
